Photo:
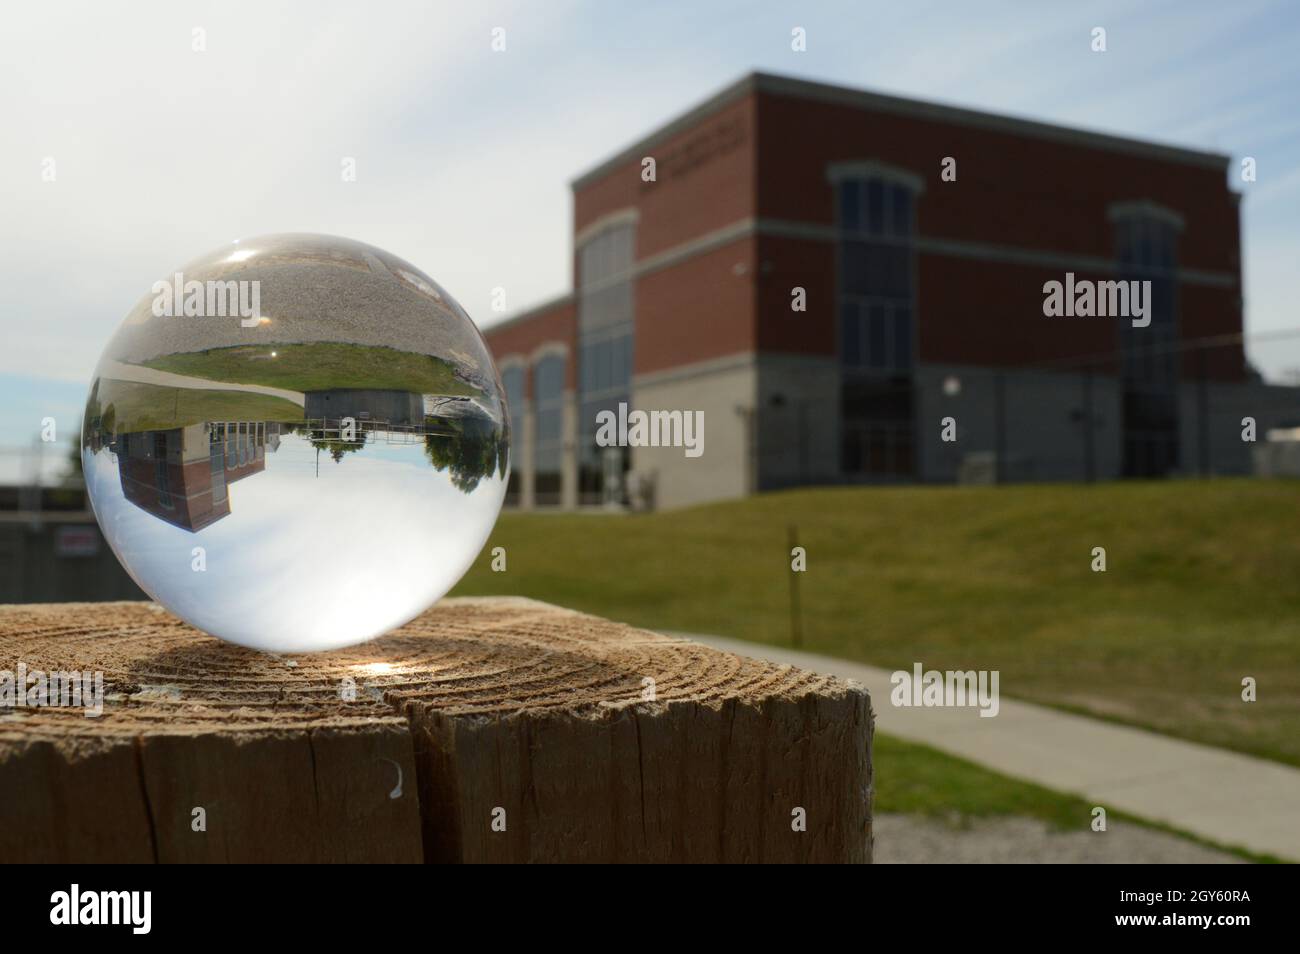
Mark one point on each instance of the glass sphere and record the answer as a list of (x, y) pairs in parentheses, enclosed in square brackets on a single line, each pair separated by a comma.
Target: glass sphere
[(296, 443)]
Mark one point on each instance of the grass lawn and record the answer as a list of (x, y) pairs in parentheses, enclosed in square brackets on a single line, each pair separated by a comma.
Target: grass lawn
[(145, 407), (916, 779), (318, 367), (1200, 589)]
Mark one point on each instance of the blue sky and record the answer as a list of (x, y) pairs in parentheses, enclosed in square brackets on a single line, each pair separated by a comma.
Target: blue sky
[(464, 155)]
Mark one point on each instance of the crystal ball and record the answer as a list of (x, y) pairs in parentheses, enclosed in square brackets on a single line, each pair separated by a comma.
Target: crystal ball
[(296, 442)]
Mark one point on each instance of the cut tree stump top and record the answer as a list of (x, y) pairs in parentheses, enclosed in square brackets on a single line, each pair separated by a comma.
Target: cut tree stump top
[(497, 729)]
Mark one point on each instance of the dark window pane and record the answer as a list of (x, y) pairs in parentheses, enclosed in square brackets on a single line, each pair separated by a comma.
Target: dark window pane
[(901, 209), (878, 268), (862, 268), (875, 206), (548, 429), (852, 451), (605, 364), (850, 205), (903, 452), (1145, 254), (853, 262), (877, 357), (902, 337), (618, 371), (896, 281), (548, 379), (599, 368), (877, 452), (850, 336)]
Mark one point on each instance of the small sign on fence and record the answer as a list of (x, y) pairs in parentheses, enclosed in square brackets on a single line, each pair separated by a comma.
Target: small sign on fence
[(80, 541)]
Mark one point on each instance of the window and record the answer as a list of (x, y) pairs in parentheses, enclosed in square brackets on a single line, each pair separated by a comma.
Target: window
[(512, 382), (851, 205), (876, 262), (1146, 243), (162, 480), (876, 212), (548, 443), (876, 208), (217, 463), (877, 448), (605, 307)]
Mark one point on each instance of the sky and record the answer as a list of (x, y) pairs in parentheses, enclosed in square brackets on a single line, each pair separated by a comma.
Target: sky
[(383, 499), (464, 155)]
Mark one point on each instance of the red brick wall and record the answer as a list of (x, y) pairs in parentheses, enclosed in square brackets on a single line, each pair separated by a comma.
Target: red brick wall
[(705, 181), (190, 488), (1012, 191), (1201, 312), (696, 310), (766, 156), (557, 323), (784, 264), (976, 313), (971, 312)]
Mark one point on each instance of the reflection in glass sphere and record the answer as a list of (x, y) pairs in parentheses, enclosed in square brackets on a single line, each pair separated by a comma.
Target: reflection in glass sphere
[(296, 443)]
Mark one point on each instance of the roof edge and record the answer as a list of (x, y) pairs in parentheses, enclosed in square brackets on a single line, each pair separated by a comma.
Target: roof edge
[(724, 97), (532, 312), (778, 85)]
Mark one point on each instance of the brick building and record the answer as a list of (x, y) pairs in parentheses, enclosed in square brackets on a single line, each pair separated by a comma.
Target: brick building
[(922, 305), (181, 474)]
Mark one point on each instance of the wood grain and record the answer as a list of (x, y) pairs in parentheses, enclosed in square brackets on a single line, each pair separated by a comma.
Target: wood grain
[(488, 709)]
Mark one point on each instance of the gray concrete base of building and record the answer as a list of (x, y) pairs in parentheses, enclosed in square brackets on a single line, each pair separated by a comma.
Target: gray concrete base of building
[(778, 421)]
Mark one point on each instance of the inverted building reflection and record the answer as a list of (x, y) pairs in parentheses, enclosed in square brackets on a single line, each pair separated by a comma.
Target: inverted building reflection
[(183, 475)]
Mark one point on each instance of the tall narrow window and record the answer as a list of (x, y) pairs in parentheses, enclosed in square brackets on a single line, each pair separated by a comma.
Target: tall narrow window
[(604, 356), (217, 463), (162, 479), (1146, 244), (876, 219), (512, 382), (548, 442)]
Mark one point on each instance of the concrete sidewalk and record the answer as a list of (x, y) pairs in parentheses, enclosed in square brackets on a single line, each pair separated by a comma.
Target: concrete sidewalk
[(1231, 799), (139, 374)]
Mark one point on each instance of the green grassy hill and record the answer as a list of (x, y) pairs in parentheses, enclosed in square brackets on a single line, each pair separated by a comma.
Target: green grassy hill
[(318, 366), (1202, 588)]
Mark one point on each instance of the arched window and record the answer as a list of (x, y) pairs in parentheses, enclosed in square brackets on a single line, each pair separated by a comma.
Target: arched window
[(876, 225), (605, 306), (512, 382), (548, 443), (876, 216)]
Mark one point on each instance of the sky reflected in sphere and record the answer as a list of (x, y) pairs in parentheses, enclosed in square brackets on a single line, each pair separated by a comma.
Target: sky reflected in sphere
[(296, 443)]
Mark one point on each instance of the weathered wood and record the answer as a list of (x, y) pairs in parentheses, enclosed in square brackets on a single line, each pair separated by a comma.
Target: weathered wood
[(481, 704)]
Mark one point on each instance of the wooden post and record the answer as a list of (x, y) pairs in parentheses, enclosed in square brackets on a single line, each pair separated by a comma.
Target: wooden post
[(485, 730)]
